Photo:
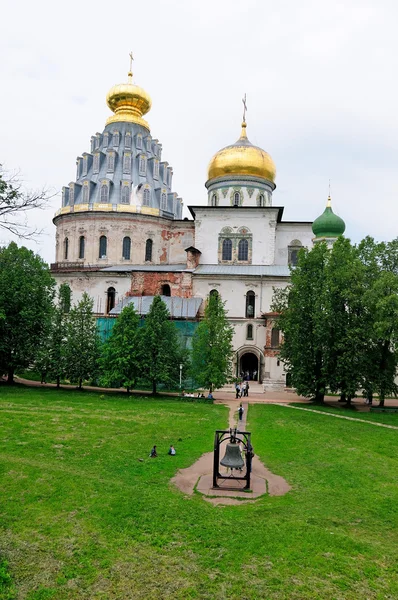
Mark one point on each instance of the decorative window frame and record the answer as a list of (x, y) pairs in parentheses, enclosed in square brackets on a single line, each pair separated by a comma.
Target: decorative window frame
[(234, 191), (86, 192), (148, 141), (125, 196), (292, 252), (242, 234), (96, 162), (128, 142), (249, 332), (163, 200), (110, 161), (106, 139), (142, 165), (103, 255), (156, 169), (126, 248), (146, 196), (127, 163), (116, 139), (214, 199), (104, 184), (138, 141)]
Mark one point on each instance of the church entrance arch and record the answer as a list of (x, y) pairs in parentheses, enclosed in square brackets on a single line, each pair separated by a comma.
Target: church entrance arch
[(249, 366)]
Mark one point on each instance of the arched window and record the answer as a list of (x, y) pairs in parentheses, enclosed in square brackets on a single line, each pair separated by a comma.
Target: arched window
[(85, 194), (126, 248), (147, 197), (293, 251), (104, 193), (275, 337), (214, 200), (106, 140), (163, 202), (110, 299), (249, 332), (96, 164), (148, 250), (66, 248), (103, 242), (227, 249), (116, 138), (213, 293), (139, 141), (142, 165), (111, 162), (82, 242), (237, 199), (166, 291), (125, 199), (127, 140), (127, 162), (250, 304), (260, 201), (72, 194), (243, 250)]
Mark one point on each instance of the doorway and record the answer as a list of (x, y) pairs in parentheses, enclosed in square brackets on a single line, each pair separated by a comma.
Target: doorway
[(249, 366)]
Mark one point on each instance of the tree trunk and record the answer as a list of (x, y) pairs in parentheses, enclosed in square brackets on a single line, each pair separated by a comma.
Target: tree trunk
[(153, 387), (10, 377), (58, 382), (381, 400), (343, 397), (128, 390), (80, 384)]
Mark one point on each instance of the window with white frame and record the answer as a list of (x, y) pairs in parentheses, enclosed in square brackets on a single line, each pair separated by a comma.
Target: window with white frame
[(156, 169), (116, 138), (146, 197), (236, 199), (96, 163), (104, 194), (127, 140), (127, 162), (125, 195), (142, 165), (103, 246), (163, 201), (139, 142), (72, 194), (148, 143), (126, 249), (106, 140), (110, 162), (85, 193)]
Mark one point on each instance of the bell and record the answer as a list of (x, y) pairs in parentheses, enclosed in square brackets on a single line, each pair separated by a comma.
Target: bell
[(233, 458)]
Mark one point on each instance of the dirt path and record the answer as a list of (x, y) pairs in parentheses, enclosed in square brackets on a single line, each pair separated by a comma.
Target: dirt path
[(199, 476)]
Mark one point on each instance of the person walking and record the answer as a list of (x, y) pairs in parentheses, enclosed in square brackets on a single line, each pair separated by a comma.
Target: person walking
[(247, 387), (240, 411), (237, 390)]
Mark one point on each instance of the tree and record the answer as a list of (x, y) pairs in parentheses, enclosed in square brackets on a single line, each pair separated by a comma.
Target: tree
[(15, 203), (303, 322), (26, 294), (212, 349), (347, 323), (161, 351), (52, 356), (82, 348), (121, 353)]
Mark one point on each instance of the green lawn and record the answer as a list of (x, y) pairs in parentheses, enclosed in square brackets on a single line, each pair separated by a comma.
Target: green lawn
[(83, 518)]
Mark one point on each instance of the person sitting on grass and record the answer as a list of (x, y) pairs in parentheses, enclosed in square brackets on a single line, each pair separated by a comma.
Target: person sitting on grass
[(172, 451), (210, 396), (153, 453)]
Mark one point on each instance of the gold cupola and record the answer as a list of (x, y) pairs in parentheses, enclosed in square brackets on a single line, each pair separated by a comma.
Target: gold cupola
[(129, 102), (242, 158)]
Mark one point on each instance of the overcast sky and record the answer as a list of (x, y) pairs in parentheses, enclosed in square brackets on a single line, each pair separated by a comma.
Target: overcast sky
[(320, 79)]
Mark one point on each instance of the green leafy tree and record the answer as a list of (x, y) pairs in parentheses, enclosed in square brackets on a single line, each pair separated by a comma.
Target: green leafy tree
[(347, 323), (82, 347), (51, 360), (212, 350), (121, 353), (303, 322), (26, 294), (161, 351)]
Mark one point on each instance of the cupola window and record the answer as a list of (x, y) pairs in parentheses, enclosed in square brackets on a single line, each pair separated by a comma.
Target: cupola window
[(148, 143), (127, 140), (250, 304), (148, 250), (261, 201), (106, 140), (126, 248), (93, 144), (65, 196), (125, 196), (163, 202), (85, 193), (243, 250), (227, 249), (127, 163), (214, 200), (82, 243), (66, 248), (116, 139), (103, 243), (96, 163), (147, 197), (111, 162), (236, 199), (142, 165), (78, 168), (139, 142), (98, 140), (85, 166), (156, 169), (104, 193), (72, 194)]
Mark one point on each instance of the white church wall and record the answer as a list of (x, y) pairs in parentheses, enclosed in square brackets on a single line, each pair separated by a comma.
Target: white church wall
[(96, 286), (287, 233)]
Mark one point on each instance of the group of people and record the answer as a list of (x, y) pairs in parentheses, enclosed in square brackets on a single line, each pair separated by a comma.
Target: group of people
[(242, 389), (199, 395), (154, 452)]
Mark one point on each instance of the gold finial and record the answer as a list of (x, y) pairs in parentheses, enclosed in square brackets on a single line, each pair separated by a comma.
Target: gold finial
[(244, 108), (130, 73), (329, 202)]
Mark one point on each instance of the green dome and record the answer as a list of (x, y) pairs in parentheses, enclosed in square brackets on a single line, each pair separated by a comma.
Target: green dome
[(328, 225)]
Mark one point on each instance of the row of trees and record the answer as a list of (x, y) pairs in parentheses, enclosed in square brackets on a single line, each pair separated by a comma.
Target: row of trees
[(39, 328), (339, 318)]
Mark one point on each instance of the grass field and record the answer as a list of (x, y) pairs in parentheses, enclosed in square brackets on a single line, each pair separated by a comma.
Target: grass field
[(83, 518)]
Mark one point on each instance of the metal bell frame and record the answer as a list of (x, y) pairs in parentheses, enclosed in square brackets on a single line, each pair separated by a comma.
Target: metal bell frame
[(235, 436)]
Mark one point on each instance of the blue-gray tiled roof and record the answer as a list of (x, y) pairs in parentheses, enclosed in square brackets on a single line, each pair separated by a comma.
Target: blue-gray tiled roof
[(179, 308)]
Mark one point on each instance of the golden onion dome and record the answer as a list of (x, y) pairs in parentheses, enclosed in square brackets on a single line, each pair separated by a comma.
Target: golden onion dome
[(129, 102), (242, 158)]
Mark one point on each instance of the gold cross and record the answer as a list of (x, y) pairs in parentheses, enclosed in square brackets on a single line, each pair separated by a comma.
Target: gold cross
[(244, 108), (131, 61)]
